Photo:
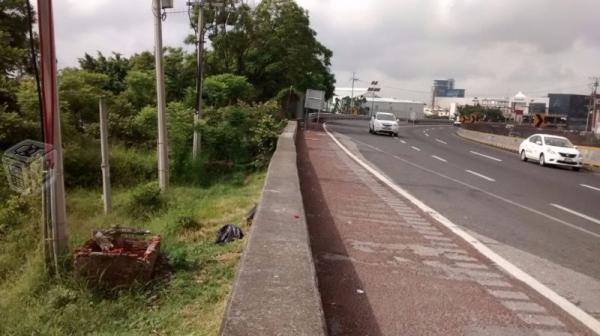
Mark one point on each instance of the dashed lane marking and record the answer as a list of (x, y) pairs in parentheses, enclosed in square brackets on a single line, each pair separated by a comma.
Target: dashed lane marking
[(480, 175), (416, 148), (441, 141), (590, 187), (402, 141), (439, 158), (591, 219), (486, 156), (576, 312)]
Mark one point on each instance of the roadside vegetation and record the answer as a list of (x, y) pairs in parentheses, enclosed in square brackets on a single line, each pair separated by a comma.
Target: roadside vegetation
[(267, 55)]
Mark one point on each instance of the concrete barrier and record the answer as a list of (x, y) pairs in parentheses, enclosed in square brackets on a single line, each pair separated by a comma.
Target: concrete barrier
[(275, 291), (591, 155)]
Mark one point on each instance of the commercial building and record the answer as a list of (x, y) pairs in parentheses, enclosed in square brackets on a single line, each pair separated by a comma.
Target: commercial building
[(445, 88), (403, 109), (574, 107), (512, 107)]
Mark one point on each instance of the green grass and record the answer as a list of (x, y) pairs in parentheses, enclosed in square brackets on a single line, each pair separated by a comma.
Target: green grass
[(191, 303)]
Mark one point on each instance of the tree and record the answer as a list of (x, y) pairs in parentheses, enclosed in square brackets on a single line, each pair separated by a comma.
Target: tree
[(14, 53), (141, 89), (180, 73), (274, 47), (226, 89), (114, 67), (79, 91)]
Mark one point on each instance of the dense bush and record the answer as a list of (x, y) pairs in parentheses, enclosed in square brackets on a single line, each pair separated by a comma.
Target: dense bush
[(146, 200), (242, 135), (128, 166)]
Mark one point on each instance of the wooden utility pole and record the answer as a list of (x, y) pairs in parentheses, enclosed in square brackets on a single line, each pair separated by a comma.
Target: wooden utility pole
[(163, 158), (105, 166), (52, 132)]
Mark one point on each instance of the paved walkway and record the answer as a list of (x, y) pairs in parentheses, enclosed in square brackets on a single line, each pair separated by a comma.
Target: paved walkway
[(385, 268)]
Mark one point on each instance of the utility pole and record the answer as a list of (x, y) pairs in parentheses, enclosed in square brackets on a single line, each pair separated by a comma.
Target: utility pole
[(105, 165), (197, 142), (373, 88), (163, 160), (353, 79), (595, 84), (55, 203)]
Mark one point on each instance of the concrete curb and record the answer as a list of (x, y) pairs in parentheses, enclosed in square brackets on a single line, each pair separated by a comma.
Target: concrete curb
[(591, 155), (275, 291)]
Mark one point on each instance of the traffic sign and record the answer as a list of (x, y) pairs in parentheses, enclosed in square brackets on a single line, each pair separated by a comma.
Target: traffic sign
[(538, 120)]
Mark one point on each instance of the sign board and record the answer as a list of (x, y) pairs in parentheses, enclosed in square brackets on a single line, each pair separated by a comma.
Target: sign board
[(315, 99), (413, 115), (538, 120)]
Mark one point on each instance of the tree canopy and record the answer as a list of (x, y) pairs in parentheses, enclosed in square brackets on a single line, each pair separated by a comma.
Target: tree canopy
[(274, 47)]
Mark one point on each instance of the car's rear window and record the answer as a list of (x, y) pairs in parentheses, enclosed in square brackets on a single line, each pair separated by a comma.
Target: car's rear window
[(385, 117)]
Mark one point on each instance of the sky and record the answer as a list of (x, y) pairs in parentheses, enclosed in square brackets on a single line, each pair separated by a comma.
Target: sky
[(490, 48)]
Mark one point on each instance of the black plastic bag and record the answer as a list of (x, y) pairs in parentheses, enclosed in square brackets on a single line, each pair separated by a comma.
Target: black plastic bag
[(229, 233)]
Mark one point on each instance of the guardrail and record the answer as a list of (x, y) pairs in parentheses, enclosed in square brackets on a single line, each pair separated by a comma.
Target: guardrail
[(275, 291), (591, 155)]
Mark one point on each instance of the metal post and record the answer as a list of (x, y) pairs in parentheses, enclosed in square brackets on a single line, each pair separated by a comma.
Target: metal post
[(105, 166), (52, 130), (163, 163), (197, 141)]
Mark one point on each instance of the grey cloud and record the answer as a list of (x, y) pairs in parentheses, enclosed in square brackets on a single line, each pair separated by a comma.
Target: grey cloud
[(489, 46)]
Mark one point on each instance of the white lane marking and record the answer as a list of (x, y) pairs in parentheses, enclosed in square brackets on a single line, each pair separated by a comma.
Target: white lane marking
[(491, 194), (513, 270), (441, 141), (426, 134), (416, 148), (589, 186), (439, 158), (486, 156), (480, 175), (591, 219), (404, 142)]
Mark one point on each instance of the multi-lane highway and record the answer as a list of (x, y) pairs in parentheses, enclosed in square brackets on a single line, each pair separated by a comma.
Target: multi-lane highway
[(544, 220)]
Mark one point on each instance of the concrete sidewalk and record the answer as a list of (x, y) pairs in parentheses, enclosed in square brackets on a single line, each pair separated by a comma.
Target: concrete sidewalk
[(385, 268)]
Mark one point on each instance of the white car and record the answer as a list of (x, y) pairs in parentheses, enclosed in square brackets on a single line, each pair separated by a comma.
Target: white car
[(383, 122), (550, 150)]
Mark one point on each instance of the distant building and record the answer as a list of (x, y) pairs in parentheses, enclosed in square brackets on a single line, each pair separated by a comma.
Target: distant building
[(512, 107), (574, 107), (445, 88)]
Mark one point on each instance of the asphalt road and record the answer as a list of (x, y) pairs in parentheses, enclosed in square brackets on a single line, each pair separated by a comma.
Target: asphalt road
[(550, 213)]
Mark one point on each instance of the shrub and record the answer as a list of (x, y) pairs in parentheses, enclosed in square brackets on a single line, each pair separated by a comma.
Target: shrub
[(242, 135), (146, 200), (12, 213), (128, 166)]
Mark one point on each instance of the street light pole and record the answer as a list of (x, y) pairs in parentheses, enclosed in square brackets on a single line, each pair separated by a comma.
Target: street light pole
[(163, 163)]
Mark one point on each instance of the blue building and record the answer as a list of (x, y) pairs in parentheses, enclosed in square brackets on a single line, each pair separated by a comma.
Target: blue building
[(445, 88)]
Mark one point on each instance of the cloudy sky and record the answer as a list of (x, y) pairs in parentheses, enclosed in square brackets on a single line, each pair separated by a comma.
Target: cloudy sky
[(491, 48)]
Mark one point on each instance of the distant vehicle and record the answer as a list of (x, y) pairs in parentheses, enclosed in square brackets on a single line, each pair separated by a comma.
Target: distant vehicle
[(457, 122), (550, 150), (383, 122)]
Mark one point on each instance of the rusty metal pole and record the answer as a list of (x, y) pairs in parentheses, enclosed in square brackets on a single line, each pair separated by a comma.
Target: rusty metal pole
[(52, 131)]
